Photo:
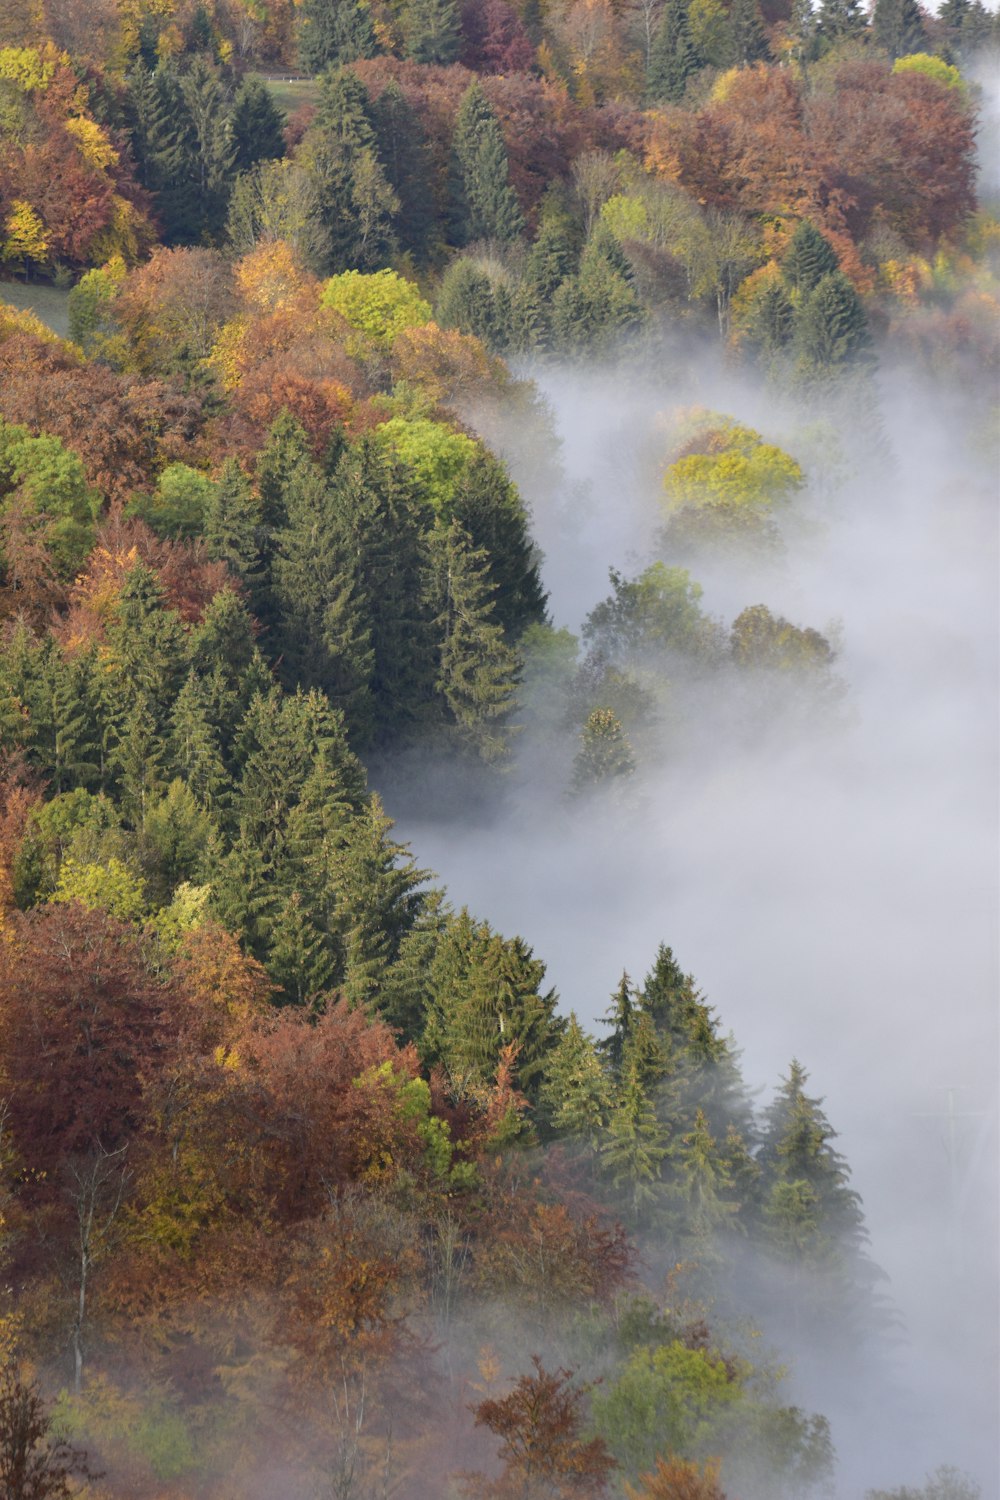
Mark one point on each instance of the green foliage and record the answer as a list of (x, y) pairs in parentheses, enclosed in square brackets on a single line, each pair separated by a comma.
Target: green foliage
[(931, 67), (431, 30), (484, 206), (48, 484), (898, 27), (110, 887), (380, 305), (331, 32), (945, 1483), (605, 756), (673, 58), (256, 125), (665, 1399), (831, 333), (436, 455), (179, 505)]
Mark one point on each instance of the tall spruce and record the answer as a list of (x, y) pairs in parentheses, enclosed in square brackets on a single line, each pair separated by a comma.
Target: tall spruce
[(831, 329), (747, 34), (333, 32), (489, 508), (340, 154), (898, 27), (256, 125), (484, 205), (809, 258), (405, 156), (673, 57), (431, 32)]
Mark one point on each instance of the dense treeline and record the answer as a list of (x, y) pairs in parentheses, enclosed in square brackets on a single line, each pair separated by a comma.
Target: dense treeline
[(296, 1160)]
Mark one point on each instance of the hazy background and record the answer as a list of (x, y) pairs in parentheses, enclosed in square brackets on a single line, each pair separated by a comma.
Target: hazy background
[(833, 890)]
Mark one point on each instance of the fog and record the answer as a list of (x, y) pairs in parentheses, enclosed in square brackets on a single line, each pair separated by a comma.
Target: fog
[(833, 885)]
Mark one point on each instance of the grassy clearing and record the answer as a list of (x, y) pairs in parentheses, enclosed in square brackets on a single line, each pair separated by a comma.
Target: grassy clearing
[(50, 303), (290, 94)]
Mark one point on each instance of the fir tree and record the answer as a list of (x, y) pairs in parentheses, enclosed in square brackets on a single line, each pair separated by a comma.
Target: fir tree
[(634, 1147), (233, 525), (256, 125), (194, 752), (299, 956), (210, 165), (484, 206), (809, 258), (357, 205), (746, 29), (332, 32), (487, 506), (898, 27), (478, 672), (673, 57), (405, 156), (576, 1096), (431, 30), (605, 757), (770, 327), (621, 1019), (468, 300), (840, 20), (74, 756), (831, 329)]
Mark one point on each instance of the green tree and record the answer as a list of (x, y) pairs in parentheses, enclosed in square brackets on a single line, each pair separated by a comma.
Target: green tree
[(831, 329), (470, 300), (746, 28), (478, 672), (405, 155), (605, 756), (207, 150), (232, 526), (576, 1095), (809, 258), (898, 27), (332, 32), (484, 205), (673, 58), (634, 1146), (339, 154), (840, 20), (489, 508), (431, 30), (256, 125)]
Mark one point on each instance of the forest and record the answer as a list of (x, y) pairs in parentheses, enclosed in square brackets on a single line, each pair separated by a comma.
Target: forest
[(313, 315)]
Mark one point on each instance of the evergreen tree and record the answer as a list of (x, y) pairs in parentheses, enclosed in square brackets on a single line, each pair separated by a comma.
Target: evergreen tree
[(487, 505), (323, 632), (378, 902), (597, 306), (809, 258), (484, 206), (332, 32), (470, 301), (703, 1188), (831, 329), (233, 524), (898, 27), (841, 20), (605, 756), (256, 124), (621, 1019), (746, 29), (147, 645), (486, 995), (553, 258), (634, 1147), (209, 140), (576, 1096), (194, 752), (478, 672), (406, 158), (73, 759), (137, 761), (356, 203), (770, 325), (431, 30), (673, 57), (299, 956)]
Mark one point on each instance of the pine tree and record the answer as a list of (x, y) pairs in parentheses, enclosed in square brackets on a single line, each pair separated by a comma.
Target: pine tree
[(213, 151), (323, 632), (841, 20), (137, 761), (831, 329), (484, 205), (673, 57), (405, 156), (487, 506), (332, 32), (704, 1188), (340, 155), (431, 30), (233, 525), (478, 672), (809, 258), (605, 757), (576, 1096), (378, 901), (746, 29), (898, 27), (597, 306), (256, 125)]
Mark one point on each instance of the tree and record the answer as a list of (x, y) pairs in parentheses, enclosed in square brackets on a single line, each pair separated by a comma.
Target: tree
[(256, 125), (405, 155), (605, 755), (488, 507), (749, 39), (576, 1095), (542, 1448), (35, 1464), (898, 27), (494, 39), (831, 329), (484, 206), (232, 525), (809, 258), (677, 1479), (840, 20), (339, 153), (478, 672), (332, 32), (431, 30), (673, 58)]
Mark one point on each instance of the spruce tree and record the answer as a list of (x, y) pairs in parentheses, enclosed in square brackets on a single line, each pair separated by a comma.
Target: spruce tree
[(673, 57), (487, 506), (898, 27), (634, 1147), (233, 524), (621, 1020), (809, 258), (576, 1096), (841, 20), (431, 30), (484, 205), (299, 955), (256, 124), (74, 756), (831, 329), (212, 148), (605, 757), (193, 748), (405, 156), (340, 156), (746, 29), (332, 32), (478, 672), (770, 326), (468, 300)]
